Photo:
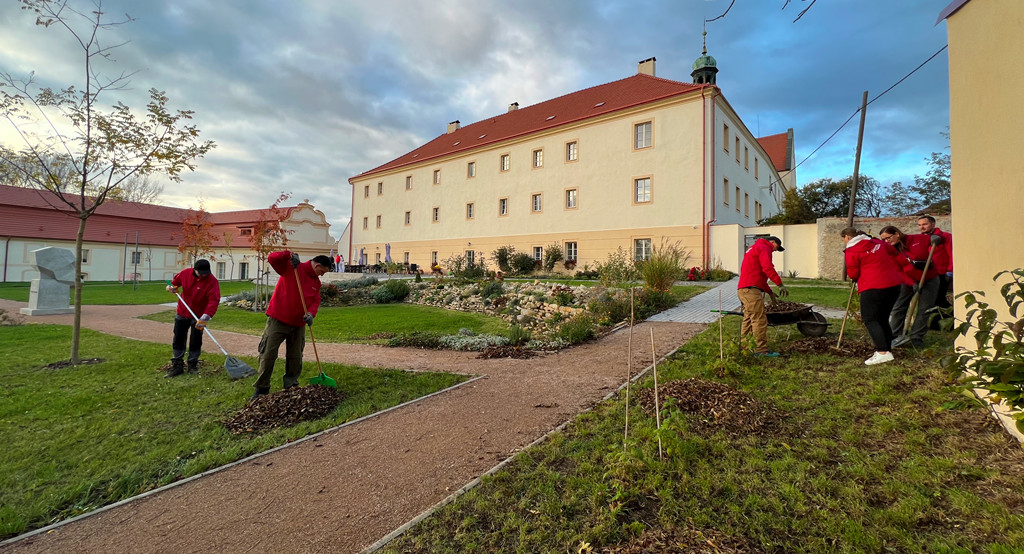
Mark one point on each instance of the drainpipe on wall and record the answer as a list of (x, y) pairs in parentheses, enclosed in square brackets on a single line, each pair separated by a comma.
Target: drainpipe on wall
[(7, 252), (714, 184)]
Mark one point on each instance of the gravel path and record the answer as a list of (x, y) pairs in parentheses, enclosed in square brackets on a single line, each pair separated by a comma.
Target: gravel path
[(350, 487)]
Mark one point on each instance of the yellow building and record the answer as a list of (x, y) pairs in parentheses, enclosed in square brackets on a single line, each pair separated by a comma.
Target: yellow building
[(629, 164)]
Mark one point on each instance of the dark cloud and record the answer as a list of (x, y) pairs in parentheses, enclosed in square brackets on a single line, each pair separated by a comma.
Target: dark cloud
[(300, 96)]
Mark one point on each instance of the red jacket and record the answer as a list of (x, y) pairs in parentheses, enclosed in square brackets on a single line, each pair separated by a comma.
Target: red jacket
[(916, 249), (285, 304), (943, 257), (870, 262), (757, 267), (201, 293)]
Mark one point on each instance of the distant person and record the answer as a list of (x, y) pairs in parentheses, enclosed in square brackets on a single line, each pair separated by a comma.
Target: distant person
[(912, 256), (201, 290), (286, 320), (944, 259), (870, 263), (337, 262), (755, 272)]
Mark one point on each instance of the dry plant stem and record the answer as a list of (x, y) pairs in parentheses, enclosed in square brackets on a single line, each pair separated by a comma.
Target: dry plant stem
[(721, 337), (310, 327), (657, 404), (629, 366), (846, 315)]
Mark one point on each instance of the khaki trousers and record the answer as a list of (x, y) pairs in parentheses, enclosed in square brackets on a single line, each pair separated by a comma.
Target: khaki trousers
[(755, 319), (274, 334)]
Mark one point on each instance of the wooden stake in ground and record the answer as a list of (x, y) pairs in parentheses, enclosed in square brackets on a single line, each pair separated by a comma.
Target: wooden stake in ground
[(846, 316), (657, 404), (721, 337), (856, 169), (629, 366)]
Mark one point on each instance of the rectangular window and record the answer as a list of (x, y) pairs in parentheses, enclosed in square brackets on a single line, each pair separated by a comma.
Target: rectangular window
[(437, 176), (570, 199), (380, 189), (538, 158), (642, 135), (570, 251), (221, 267), (641, 249), (737, 149), (471, 169), (136, 258), (538, 203), (378, 257), (737, 199), (571, 152), (470, 257), (538, 253), (408, 182), (437, 215), (746, 205), (756, 168), (725, 191), (469, 211), (366, 223), (642, 190), (408, 218), (746, 158), (433, 257), (405, 258), (725, 137), (505, 162), (245, 232), (503, 206), (378, 222), (366, 191), (757, 210), (243, 270), (85, 255)]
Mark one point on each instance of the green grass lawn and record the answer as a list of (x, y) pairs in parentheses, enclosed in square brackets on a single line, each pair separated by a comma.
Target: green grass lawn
[(864, 461), (77, 439), (355, 323), (686, 292), (150, 292), (831, 297)]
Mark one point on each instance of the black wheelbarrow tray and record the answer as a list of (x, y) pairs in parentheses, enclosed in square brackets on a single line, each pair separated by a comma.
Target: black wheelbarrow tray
[(809, 322)]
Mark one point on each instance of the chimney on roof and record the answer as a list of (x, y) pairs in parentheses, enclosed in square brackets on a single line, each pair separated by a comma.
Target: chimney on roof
[(454, 126), (646, 66), (513, 106)]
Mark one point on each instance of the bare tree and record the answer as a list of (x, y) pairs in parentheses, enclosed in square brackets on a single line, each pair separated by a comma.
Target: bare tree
[(104, 148), (229, 239), (138, 188)]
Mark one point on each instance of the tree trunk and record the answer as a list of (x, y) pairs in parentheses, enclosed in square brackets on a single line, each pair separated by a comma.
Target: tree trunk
[(76, 328)]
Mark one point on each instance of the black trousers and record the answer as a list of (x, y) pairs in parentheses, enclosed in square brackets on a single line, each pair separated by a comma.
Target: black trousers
[(925, 302), (875, 307), (182, 327)]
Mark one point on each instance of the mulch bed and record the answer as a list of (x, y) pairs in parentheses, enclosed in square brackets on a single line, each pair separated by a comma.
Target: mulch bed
[(285, 408), (827, 345), (64, 364), (517, 352), (714, 406), (684, 541), (782, 307)]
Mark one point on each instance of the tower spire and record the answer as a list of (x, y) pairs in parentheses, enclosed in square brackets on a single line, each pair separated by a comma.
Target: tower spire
[(705, 68), (705, 35)]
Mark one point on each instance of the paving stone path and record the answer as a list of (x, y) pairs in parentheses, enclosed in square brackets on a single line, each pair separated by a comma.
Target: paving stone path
[(350, 487), (698, 309)]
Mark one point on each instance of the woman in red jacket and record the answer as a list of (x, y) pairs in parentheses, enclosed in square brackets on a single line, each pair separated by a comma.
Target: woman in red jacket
[(869, 262), (912, 256)]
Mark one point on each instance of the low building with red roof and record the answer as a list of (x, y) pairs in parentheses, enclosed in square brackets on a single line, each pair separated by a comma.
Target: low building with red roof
[(32, 219), (632, 164)]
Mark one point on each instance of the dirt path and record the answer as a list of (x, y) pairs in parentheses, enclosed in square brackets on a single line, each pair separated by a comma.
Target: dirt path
[(348, 488)]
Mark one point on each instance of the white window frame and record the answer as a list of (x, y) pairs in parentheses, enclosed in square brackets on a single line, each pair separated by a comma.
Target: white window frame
[(571, 250), (506, 163), (502, 207), (408, 182), (572, 198), (643, 135), (646, 195), (470, 170), (380, 188), (380, 218), (221, 269), (469, 210), (538, 253), (641, 249), (572, 151), (538, 158), (470, 257), (536, 203), (437, 176)]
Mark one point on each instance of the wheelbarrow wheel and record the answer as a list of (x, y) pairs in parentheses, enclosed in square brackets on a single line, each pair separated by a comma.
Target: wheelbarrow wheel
[(816, 328)]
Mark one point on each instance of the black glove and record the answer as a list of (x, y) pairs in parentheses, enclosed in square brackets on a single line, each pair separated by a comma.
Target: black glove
[(783, 291), (295, 260), (936, 240), (919, 264), (308, 318)]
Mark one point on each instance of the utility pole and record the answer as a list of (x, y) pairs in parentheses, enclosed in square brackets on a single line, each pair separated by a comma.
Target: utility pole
[(856, 168), (124, 261), (135, 260)]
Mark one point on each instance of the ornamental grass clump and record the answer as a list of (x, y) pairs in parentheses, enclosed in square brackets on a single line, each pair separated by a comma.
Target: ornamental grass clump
[(666, 265), (391, 291), (518, 336)]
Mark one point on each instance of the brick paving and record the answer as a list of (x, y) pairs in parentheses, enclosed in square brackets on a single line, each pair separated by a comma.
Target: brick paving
[(698, 309)]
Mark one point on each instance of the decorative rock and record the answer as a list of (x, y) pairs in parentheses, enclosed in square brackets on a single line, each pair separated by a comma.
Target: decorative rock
[(49, 293)]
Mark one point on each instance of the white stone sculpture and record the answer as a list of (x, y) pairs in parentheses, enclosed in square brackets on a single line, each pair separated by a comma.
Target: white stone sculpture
[(50, 292)]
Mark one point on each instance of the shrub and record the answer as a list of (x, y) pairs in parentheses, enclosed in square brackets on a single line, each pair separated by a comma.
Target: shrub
[(328, 292), (419, 277), (521, 263), (666, 265), (399, 289), (562, 296), (650, 302), (609, 309), (587, 273), (569, 264), (471, 343), (542, 344), (492, 290), (416, 339), (518, 336), (462, 269), (552, 255), (503, 257), (364, 281), (382, 295), (617, 269), (576, 330)]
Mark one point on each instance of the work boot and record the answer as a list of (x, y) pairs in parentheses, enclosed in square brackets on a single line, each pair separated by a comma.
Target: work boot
[(177, 368), (260, 391), (901, 340), (193, 367)]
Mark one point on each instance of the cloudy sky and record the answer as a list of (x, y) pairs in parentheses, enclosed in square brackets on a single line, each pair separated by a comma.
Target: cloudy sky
[(301, 95)]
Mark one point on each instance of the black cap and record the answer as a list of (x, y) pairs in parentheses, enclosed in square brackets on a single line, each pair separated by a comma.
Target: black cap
[(202, 267), (776, 240)]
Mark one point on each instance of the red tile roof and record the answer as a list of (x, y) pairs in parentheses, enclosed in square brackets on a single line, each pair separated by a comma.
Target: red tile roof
[(29, 213), (776, 147), (573, 107)]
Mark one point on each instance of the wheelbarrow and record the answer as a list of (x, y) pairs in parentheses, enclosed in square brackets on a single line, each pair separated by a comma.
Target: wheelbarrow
[(809, 322)]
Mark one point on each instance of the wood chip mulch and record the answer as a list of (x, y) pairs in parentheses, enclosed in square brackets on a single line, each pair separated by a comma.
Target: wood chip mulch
[(517, 352), (64, 364), (714, 406), (827, 345), (684, 541), (284, 408), (783, 307)]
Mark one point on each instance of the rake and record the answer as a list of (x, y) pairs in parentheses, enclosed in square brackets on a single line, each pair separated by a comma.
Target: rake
[(321, 378)]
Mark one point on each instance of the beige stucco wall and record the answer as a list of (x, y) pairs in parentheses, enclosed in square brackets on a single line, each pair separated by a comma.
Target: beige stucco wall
[(830, 245), (801, 254), (753, 173)]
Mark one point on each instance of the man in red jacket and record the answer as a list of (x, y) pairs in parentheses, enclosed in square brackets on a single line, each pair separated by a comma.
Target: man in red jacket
[(201, 291), (912, 257), (755, 272), (286, 319), (943, 257)]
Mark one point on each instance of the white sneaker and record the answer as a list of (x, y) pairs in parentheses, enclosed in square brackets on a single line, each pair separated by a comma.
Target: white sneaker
[(879, 358)]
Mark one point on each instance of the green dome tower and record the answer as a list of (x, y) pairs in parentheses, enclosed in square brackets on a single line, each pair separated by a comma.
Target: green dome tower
[(705, 68)]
